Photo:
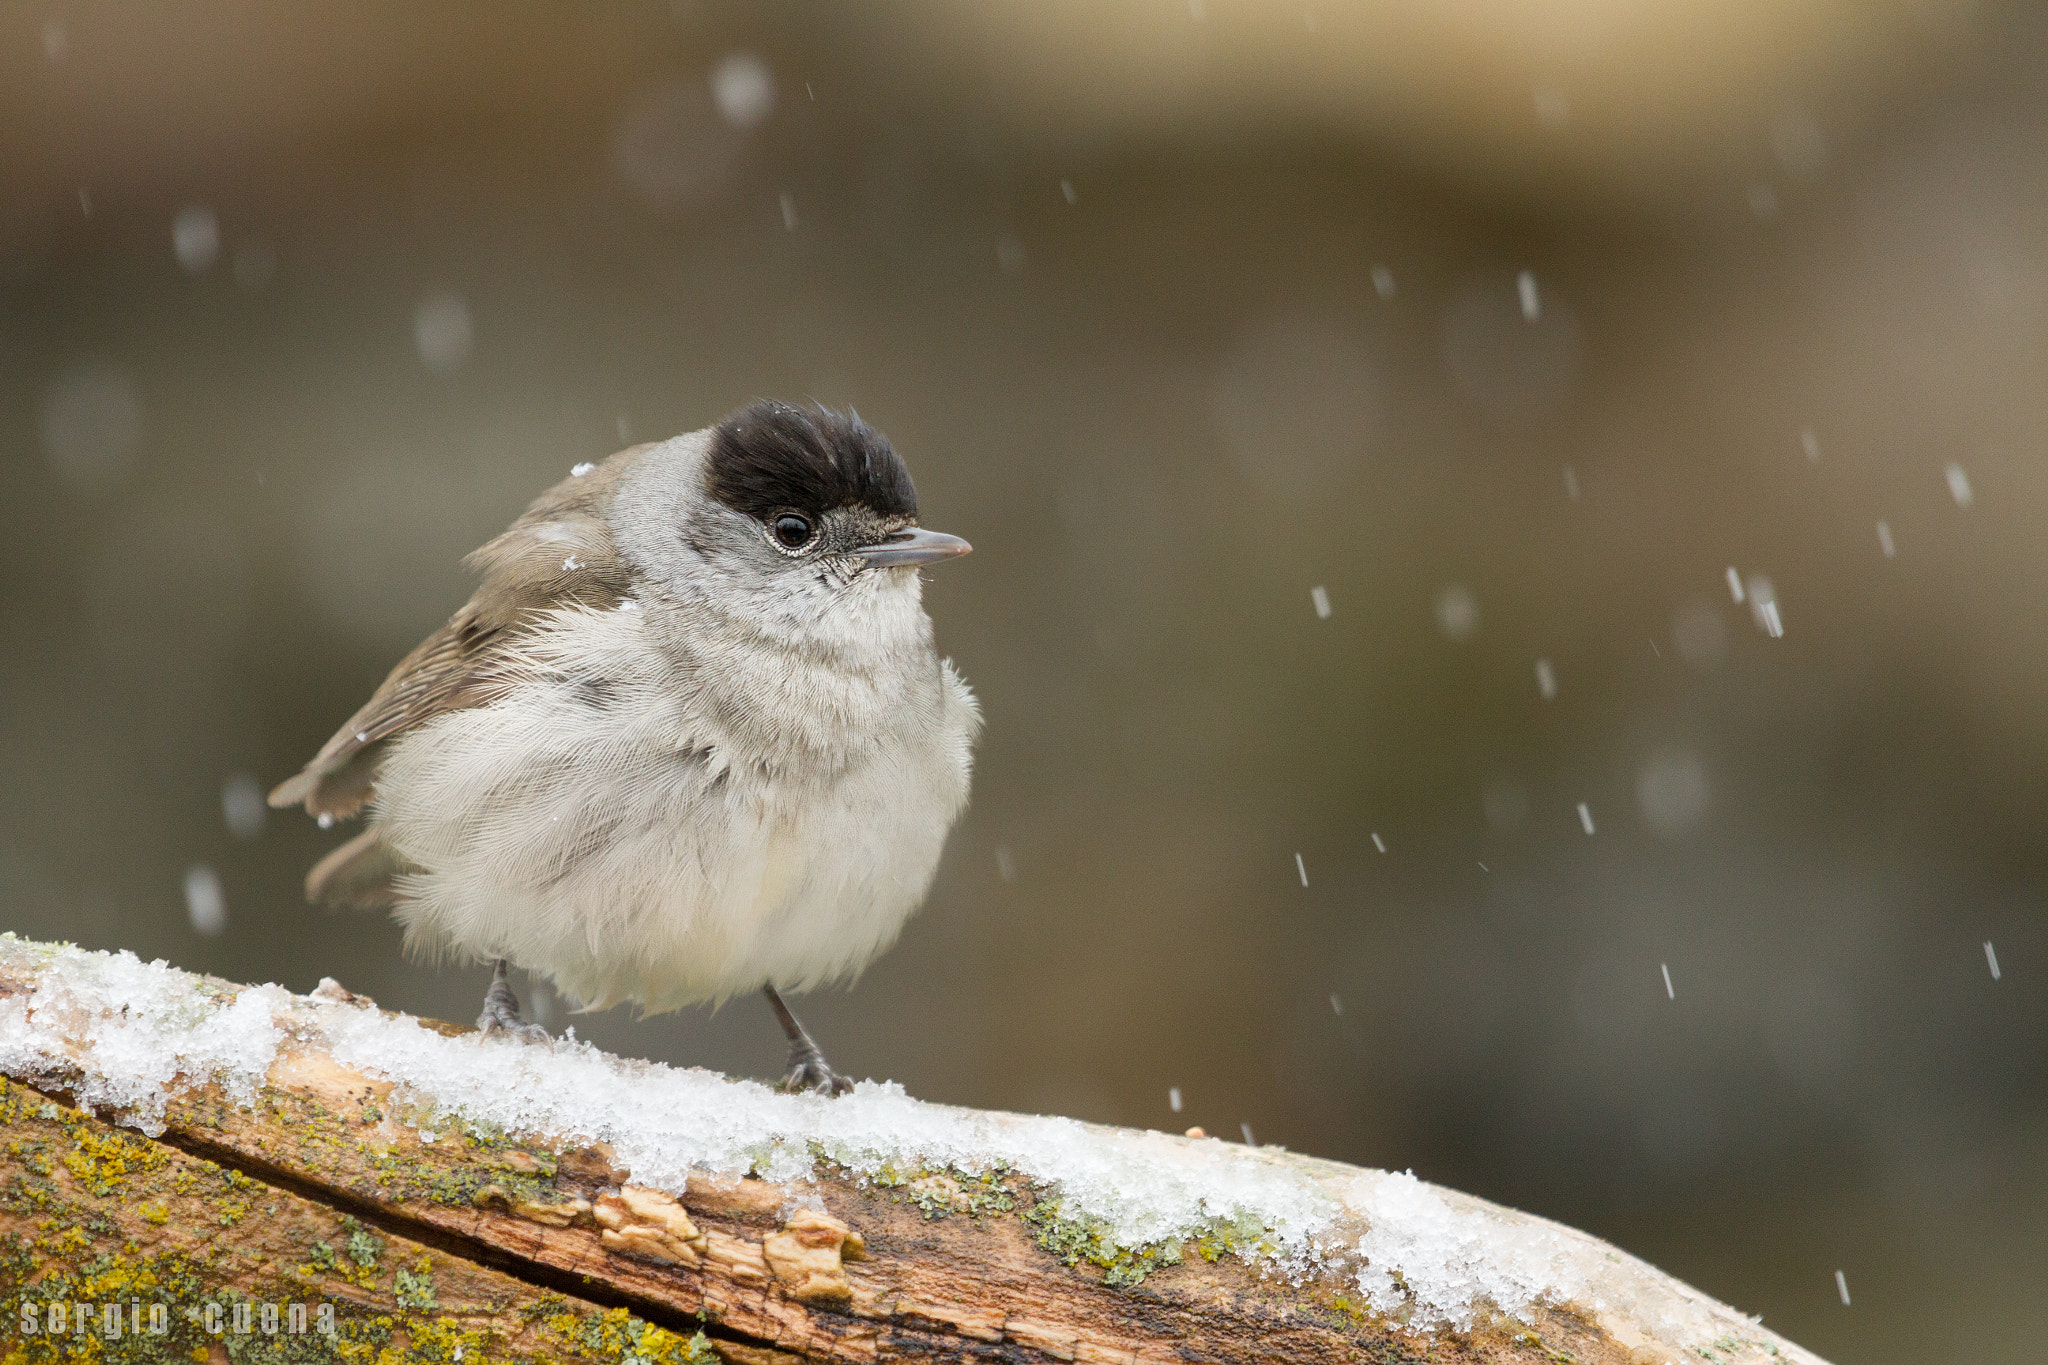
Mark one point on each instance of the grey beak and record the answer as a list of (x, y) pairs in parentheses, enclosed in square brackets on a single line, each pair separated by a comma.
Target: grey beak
[(914, 545)]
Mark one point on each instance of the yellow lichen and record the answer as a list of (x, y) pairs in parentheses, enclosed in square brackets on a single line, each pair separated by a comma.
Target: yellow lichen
[(102, 1160)]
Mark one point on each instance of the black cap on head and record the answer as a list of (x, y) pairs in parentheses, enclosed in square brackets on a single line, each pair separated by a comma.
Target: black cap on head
[(772, 456)]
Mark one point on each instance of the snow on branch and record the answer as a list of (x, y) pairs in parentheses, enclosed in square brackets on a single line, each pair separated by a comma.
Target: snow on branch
[(712, 1215)]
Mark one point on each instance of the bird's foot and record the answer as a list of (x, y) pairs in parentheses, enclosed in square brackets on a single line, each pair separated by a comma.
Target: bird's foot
[(501, 1012), (809, 1072)]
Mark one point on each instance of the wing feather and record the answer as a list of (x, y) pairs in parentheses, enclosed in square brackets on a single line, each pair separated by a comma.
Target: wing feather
[(559, 553)]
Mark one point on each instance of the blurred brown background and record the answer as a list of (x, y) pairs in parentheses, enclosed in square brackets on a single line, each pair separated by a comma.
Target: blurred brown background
[(1512, 326)]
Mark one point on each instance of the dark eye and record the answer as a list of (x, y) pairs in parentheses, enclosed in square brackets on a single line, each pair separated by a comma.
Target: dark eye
[(793, 531)]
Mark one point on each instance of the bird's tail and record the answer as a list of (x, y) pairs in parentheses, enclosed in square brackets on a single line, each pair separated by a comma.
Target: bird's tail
[(360, 875)]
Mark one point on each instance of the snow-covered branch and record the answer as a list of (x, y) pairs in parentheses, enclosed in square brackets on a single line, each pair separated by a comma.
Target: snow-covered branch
[(447, 1195)]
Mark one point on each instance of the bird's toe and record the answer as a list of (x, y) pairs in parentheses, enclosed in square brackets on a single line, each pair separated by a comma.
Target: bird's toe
[(813, 1077)]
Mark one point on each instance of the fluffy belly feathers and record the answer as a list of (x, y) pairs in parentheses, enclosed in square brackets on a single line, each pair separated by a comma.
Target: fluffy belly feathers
[(629, 861)]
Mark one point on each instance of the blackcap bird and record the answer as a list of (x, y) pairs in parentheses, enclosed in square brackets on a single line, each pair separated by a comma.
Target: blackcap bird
[(689, 738)]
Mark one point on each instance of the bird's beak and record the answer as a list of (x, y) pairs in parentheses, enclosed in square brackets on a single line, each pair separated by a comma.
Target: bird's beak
[(914, 545)]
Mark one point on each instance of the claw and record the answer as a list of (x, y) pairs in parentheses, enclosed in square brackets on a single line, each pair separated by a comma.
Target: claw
[(809, 1073), (807, 1069), (501, 1012)]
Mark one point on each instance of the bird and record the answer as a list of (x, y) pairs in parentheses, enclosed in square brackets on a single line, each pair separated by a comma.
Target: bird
[(690, 737)]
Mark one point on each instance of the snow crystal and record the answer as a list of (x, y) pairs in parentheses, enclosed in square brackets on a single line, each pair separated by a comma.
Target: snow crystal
[(1842, 1287), (1301, 869), (195, 238), (1457, 613), (1546, 680), (206, 902), (1959, 485), (1763, 606), (1450, 1260), (744, 89), (242, 807), (1378, 843), (1991, 958), (1585, 817), (1532, 303), (1884, 539), (1320, 596), (1173, 1098), (578, 471), (443, 331), (1673, 791), (120, 1032)]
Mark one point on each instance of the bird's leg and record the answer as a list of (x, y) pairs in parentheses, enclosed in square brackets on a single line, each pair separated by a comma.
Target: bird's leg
[(807, 1067), (501, 1011)]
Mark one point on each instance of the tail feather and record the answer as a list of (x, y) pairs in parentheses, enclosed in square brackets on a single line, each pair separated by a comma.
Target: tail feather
[(360, 875)]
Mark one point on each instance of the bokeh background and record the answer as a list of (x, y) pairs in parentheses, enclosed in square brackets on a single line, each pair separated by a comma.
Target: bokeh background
[(1366, 418)]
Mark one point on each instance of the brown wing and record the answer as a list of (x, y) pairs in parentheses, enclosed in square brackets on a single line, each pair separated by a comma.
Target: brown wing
[(559, 553)]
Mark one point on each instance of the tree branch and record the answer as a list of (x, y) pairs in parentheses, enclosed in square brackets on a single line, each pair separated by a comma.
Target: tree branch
[(432, 1235)]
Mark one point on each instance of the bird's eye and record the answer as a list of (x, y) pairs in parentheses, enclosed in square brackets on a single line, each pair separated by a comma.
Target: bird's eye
[(792, 531)]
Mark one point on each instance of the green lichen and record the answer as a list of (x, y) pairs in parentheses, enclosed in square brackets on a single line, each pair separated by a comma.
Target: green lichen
[(462, 1160), (364, 1247), (941, 1190), (63, 1247), (617, 1335), (414, 1335), (132, 1284), (415, 1288), (1075, 1240), (1551, 1353)]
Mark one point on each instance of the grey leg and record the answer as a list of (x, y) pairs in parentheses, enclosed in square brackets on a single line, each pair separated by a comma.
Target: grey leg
[(501, 1011), (807, 1068)]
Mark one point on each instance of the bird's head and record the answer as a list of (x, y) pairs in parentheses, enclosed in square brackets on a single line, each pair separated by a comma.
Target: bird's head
[(802, 521)]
